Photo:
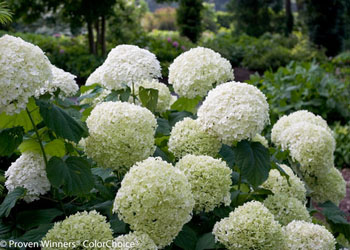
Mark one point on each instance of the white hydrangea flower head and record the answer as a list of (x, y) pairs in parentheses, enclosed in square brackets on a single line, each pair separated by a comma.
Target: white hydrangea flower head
[(164, 95), (286, 208), (120, 134), (136, 241), (261, 139), (210, 181), (311, 145), (62, 80), (194, 72), (301, 235), (329, 186), (287, 121), (95, 77), (278, 184), (234, 111), (250, 226), (189, 137), (24, 70), (128, 64), (29, 172), (155, 198), (80, 227)]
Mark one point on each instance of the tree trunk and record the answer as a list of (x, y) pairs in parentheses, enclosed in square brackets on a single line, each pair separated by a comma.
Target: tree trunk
[(103, 36), (91, 39), (289, 17), (98, 35)]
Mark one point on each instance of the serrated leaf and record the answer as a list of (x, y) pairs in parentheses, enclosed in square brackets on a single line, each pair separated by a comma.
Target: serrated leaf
[(33, 218), (73, 174), (61, 122), (55, 148), (163, 127), (185, 104), (10, 139), (253, 160), (227, 154), (206, 241), (149, 98), (186, 239), (30, 145), (10, 200)]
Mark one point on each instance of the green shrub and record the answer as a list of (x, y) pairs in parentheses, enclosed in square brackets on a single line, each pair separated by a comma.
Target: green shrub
[(305, 85), (342, 151)]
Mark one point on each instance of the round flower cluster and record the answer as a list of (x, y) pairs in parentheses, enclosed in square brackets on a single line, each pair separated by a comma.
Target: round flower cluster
[(287, 121), (286, 208), (155, 198), (210, 181), (29, 172), (120, 135), (194, 72), (311, 145), (250, 226), (24, 70), (188, 137), (278, 184), (261, 139), (329, 186), (80, 228), (164, 95), (125, 65), (95, 77), (307, 236), (234, 111), (139, 241), (61, 80)]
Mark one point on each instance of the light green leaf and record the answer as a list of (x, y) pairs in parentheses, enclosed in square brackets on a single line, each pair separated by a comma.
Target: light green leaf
[(55, 148), (185, 104), (149, 98)]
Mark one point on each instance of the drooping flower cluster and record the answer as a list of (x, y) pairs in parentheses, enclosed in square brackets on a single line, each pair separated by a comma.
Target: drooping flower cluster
[(62, 80), (330, 186), (24, 70), (286, 208), (155, 198), (307, 236), (134, 241), (234, 111), (278, 184), (125, 65), (189, 137), (164, 95), (250, 226), (194, 72), (210, 181), (120, 135), (80, 229), (29, 172)]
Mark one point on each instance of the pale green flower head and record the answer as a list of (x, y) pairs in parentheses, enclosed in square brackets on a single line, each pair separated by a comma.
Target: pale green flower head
[(250, 226), (278, 184), (286, 208), (234, 111), (120, 135), (194, 72), (261, 139), (189, 137), (155, 198), (301, 235), (79, 228), (139, 241), (330, 186), (210, 181)]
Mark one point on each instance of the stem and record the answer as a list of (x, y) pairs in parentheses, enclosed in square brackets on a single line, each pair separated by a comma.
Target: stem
[(239, 182), (38, 137), (133, 92)]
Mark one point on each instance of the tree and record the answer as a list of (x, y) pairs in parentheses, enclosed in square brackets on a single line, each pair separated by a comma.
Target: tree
[(289, 17)]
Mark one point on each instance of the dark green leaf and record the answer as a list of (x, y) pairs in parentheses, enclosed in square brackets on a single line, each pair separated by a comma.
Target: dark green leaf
[(175, 117), (61, 122), (222, 211), (10, 139), (74, 174), (253, 160), (149, 98), (186, 239), (35, 235), (160, 153), (185, 104), (119, 95), (163, 127), (227, 154), (104, 173), (10, 200), (117, 225), (206, 241), (85, 88), (33, 218)]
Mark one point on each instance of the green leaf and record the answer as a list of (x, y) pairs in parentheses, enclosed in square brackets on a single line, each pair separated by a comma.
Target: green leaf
[(160, 153), (61, 122), (104, 173), (21, 119), (74, 174), (10, 200), (119, 95), (55, 148), (10, 139), (185, 104), (36, 234), (149, 98), (30, 145), (206, 241), (118, 225), (186, 239), (163, 127), (175, 117), (253, 160), (227, 154), (29, 219), (84, 88)]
